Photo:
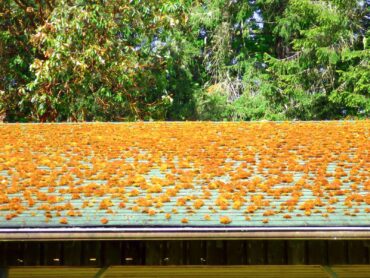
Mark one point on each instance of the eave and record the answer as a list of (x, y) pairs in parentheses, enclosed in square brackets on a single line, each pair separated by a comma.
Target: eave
[(184, 233)]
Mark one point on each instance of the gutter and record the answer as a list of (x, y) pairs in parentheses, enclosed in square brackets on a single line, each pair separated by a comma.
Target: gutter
[(183, 233)]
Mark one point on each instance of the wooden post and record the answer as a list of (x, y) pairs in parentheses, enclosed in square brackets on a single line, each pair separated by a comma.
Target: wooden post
[(215, 252), (52, 253), (14, 254), (3, 259), (175, 252), (32, 253), (276, 252), (296, 252), (337, 252), (256, 252), (154, 253), (111, 253), (235, 252), (357, 252), (134, 253), (317, 252), (91, 253), (196, 252), (72, 253), (3, 273)]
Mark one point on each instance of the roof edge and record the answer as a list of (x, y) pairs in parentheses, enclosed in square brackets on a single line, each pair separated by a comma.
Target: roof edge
[(184, 233)]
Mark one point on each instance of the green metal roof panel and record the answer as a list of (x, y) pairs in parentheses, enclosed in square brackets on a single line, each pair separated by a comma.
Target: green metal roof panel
[(110, 155)]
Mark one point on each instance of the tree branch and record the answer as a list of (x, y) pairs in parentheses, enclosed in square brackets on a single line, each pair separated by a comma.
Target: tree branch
[(21, 4), (41, 12), (49, 5)]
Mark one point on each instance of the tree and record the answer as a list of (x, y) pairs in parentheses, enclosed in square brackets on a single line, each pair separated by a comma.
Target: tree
[(120, 60), (102, 61), (18, 20), (323, 71)]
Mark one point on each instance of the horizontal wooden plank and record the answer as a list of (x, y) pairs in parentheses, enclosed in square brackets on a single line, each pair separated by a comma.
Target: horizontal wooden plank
[(217, 271), (352, 271), (301, 271), (52, 272)]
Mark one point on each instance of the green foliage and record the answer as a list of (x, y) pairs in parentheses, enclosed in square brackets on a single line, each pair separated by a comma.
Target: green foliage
[(77, 60), (97, 66), (212, 107), (324, 73), (216, 107), (18, 21)]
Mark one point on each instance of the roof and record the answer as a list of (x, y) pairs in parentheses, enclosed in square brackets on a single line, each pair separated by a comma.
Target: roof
[(165, 177)]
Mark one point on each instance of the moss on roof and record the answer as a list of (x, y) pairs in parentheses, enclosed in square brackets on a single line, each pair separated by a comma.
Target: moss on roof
[(185, 174)]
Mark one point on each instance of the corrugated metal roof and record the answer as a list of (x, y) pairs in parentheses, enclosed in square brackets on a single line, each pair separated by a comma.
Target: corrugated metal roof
[(190, 174)]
